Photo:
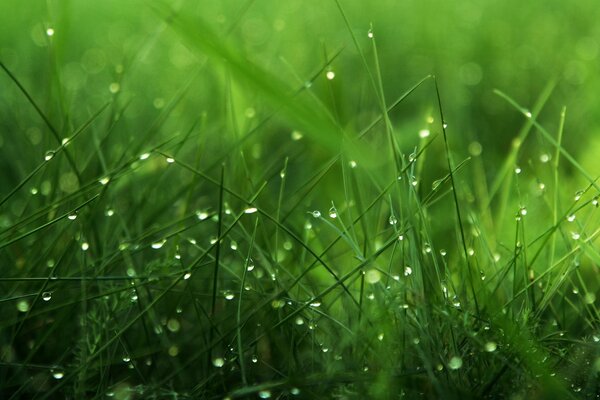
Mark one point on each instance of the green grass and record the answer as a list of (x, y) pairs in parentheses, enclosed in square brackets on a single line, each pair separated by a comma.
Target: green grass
[(195, 203)]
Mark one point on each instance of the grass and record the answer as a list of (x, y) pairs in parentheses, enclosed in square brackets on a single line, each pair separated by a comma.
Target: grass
[(253, 226)]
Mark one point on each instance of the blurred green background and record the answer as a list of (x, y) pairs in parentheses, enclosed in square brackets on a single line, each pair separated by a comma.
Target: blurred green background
[(472, 46)]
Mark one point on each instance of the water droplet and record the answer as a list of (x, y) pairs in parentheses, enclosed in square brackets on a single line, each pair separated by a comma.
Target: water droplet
[(470, 252), (400, 238), (352, 164), (392, 220), (490, 347), (218, 362), (126, 359), (299, 321), (455, 363), (72, 217), (330, 75), (527, 113), (202, 215), (159, 244), (575, 235), (187, 276), (47, 296), (282, 174), (295, 391), (424, 133), (412, 157), (173, 325), (85, 246), (297, 135), (254, 359), (228, 294), (571, 218), (542, 186), (545, 157), (370, 34), (233, 245), (518, 170), (250, 210), (380, 337), (49, 155), (444, 125), (595, 201), (414, 181), (144, 156), (249, 265), (104, 181), (50, 32), (315, 303), (114, 87), (333, 213), (170, 160), (427, 248), (58, 374), (578, 195), (316, 214), (23, 306), (372, 276), (264, 394), (523, 211), (443, 253), (408, 271)]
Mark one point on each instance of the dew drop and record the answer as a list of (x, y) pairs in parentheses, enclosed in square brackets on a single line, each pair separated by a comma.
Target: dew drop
[(380, 337), (595, 201), (575, 235), (159, 244), (144, 156), (414, 181), (23, 306), (299, 321), (228, 294), (316, 214), (571, 218), (578, 195), (523, 211), (545, 157), (50, 32), (445, 125), (490, 347), (187, 276), (373, 276), (408, 271), (315, 304), (352, 164), (170, 160), (47, 296), (250, 210), (295, 391), (126, 359), (49, 155), (455, 363), (254, 359), (424, 133), (333, 213), (443, 253), (264, 394), (370, 34), (233, 245), (527, 113), (173, 325), (85, 246), (392, 220), (518, 170), (218, 362), (72, 217), (297, 135), (114, 87), (201, 215), (104, 181), (330, 75)]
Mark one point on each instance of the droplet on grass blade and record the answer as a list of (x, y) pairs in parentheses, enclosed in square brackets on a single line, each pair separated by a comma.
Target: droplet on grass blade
[(455, 363)]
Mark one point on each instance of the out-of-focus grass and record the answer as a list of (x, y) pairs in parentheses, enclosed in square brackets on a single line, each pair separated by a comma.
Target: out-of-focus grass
[(231, 199)]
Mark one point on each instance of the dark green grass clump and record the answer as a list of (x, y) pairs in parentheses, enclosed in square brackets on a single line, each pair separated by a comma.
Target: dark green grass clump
[(285, 241)]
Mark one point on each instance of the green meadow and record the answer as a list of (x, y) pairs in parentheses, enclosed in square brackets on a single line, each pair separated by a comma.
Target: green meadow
[(337, 199)]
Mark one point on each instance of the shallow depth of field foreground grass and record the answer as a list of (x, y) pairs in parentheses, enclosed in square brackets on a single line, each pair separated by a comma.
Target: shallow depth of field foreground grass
[(324, 200)]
